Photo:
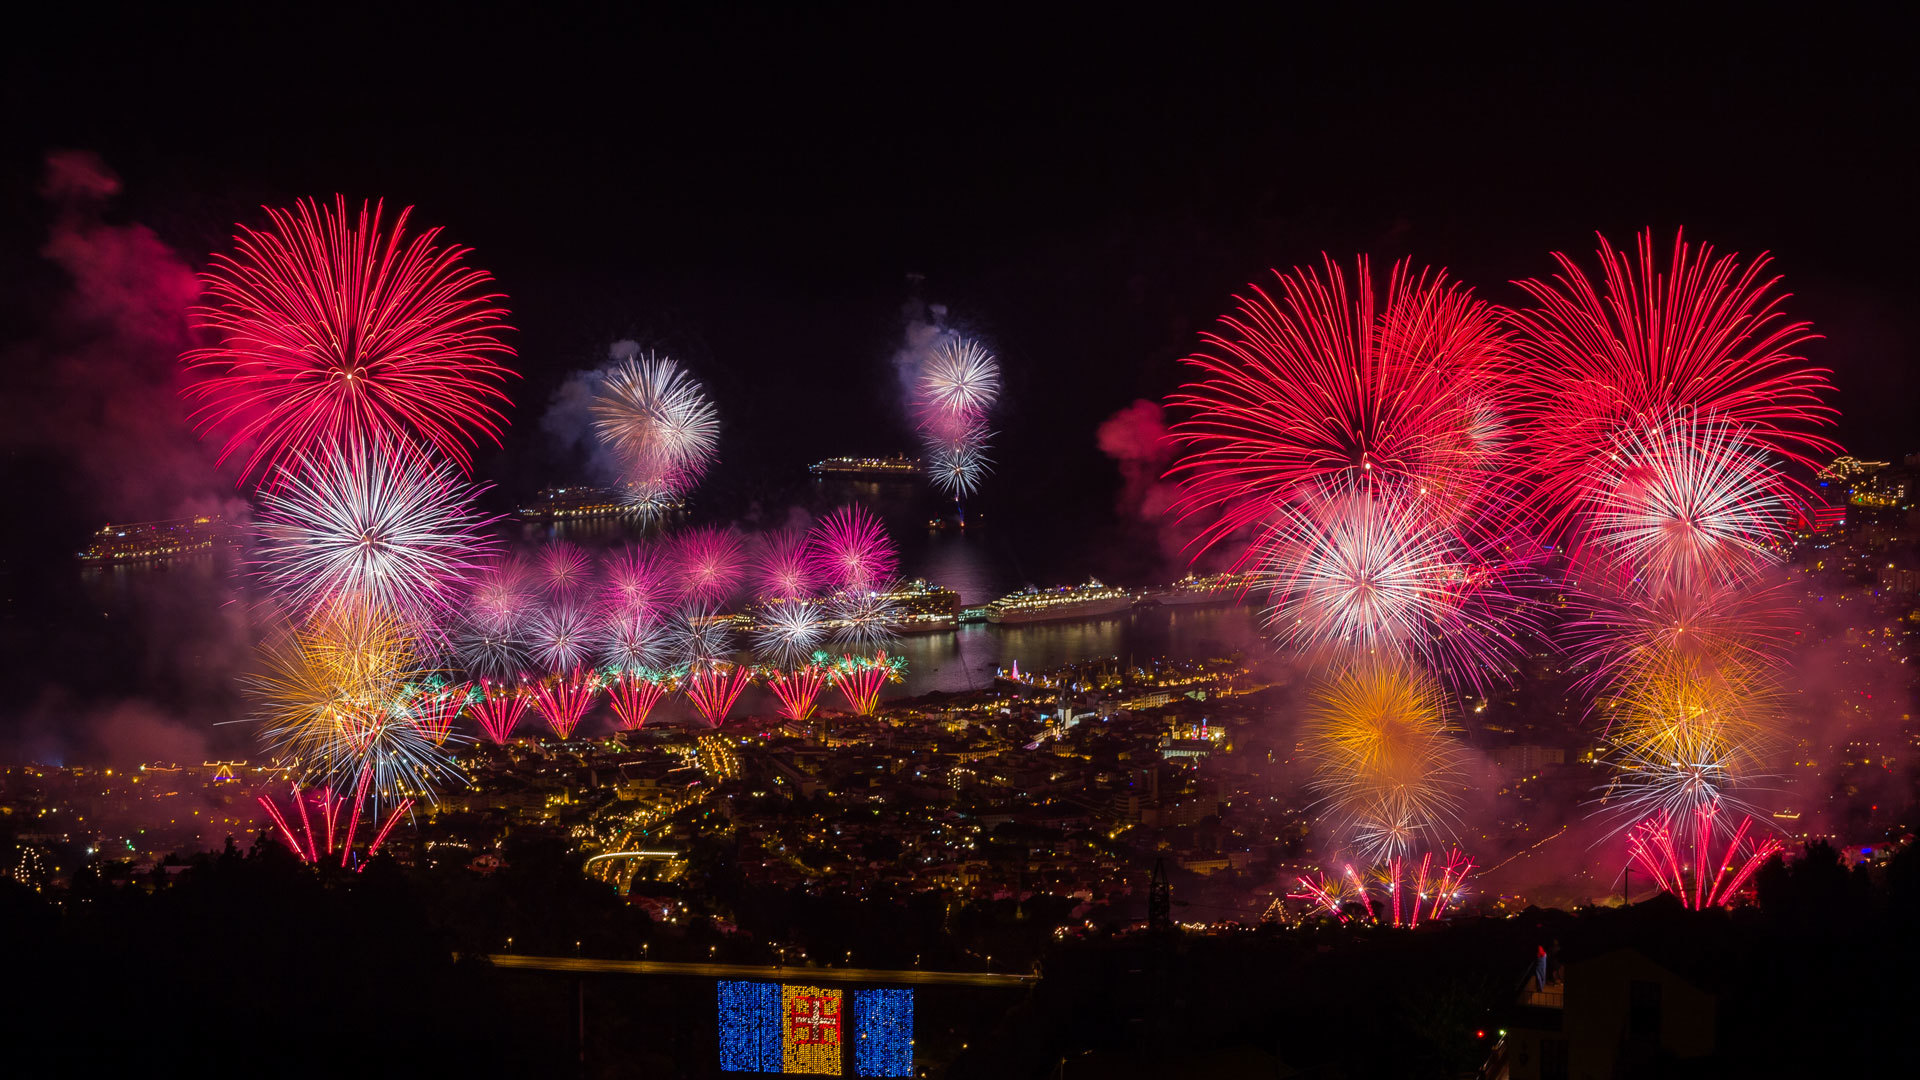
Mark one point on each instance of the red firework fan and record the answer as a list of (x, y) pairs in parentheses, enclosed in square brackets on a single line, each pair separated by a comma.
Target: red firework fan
[(499, 709), (1704, 336), (434, 709), (634, 696), (714, 685), (798, 690), (329, 326), (306, 845), (1699, 882), (1331, 384), (566, 699)]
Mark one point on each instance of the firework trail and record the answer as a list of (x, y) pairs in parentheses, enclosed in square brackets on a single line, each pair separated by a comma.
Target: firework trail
[(708, 564), (1329, 387), (324, 800), (1703, 881), (955, 389), (565, 699), (714, 685), (499, 708), (786, 634), (860, 679), (797, 688), (564, 636), (354, 521), (850, 550), (634, 693), (659, 423), (784, 567), (330, 328), (1385, 763), (1704, 335)]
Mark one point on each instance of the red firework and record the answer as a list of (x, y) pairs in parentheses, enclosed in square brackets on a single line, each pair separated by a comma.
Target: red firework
[(330, 326), (499, 709), (1328, 385), (634, 696), (1410, 890), (708, 563), (798, 690), (434, 709), (851, 550), (859, 679), (1702, 881), (306, 845), (566, 698), (714, 685), (1703, 336)]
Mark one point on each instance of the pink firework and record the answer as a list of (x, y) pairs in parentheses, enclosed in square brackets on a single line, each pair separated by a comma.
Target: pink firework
[(326, 806), (784, 568), (1701, 335), (329, 327), (637, 582), (860, 679), (1703, 880), (851, 550), (503, 597), (499, 709), (1331, 385), (714, 685), (1400, 893), (708, 563), (564, 699), (798, 690), (565, 570), (634, 695), (433, 709)]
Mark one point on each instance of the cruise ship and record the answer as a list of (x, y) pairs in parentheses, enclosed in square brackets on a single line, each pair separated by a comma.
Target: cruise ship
[(898, 466), (1222, 588), (925, 606), (1032, 605), (582, 501), (152, 541)]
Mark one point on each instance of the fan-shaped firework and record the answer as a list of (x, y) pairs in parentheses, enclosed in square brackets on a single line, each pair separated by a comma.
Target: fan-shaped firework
[(1330, 386), (434, 705), (798, 688), (860, 679), (1384, 761), (785, 634), (331, 328), (1703, 880), (1703, 335), (631, 641), (325, 804), (397, 530), (499, 708), (864, 620), (1381, 576), (564, 569), (638, 582), (658, 421), (564, 699), (714, 685), (708, 562), (784, 567), (563, 636), (1407, 889), (1681, 501), (635, 693), (850, 550)]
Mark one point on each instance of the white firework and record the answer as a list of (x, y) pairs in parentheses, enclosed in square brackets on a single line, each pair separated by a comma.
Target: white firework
[(658, 421), (787, 634), (563, 636)]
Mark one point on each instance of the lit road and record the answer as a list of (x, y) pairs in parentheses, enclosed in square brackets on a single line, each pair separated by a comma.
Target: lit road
[(883, 976)]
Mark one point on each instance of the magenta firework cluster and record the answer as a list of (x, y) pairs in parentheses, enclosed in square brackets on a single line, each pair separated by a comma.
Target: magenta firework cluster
[(1404, 471)]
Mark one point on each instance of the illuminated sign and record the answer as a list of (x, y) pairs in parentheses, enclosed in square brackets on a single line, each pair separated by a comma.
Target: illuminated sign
[(790, 1028)]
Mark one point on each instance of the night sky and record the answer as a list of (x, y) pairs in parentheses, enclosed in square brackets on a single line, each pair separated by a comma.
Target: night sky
[(751, 192)]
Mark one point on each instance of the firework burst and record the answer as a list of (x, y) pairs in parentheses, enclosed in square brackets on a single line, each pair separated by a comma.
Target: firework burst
[(784, 567), (785, 634), (850, 550), (331, 328), (707, 563), (564, 569), (638, 582), (631, 641), (564, 636), (1385, 763), (353, 521), (864, 620), (658, 421)]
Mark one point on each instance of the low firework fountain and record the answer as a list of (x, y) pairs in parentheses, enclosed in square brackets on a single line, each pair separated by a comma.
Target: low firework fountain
[(324, 804), (634, 695), (1401, 892), (714, 685), (1655, 848), (859, 679), (498, 709), (566, 699), (433, 709), (798, 689)]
